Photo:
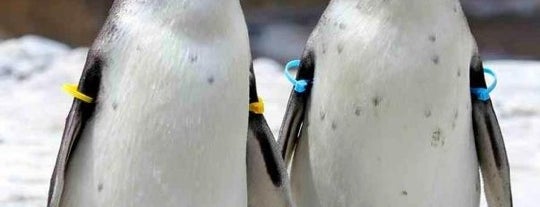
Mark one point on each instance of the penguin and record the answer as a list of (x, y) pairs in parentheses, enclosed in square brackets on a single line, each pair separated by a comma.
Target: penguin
[(387, 117), (166, 121), (268, 182)]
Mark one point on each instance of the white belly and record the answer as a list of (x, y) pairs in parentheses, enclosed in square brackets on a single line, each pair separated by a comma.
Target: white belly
[(170, 125), (389, 120)]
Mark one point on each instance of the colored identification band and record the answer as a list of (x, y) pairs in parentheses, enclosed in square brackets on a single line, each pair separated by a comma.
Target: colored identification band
[(299, 85), (483, 93), (72, 90), (257, 107)]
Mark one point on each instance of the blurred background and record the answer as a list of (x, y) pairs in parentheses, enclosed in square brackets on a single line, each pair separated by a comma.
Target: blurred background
[(43, 44), (279, 28)]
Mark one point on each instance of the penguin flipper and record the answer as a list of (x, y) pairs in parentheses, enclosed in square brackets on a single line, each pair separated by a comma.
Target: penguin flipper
[(296, 107), (489, 144), (78, 116), (268, 184)]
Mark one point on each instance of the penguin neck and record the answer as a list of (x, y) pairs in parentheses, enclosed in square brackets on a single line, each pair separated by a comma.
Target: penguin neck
[(398, 10), (186, 16), (173, 7)]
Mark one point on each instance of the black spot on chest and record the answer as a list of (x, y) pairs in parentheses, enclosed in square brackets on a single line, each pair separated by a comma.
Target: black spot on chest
[(322, 115), (340, 48), (357, 111), (324, 47), (437, 138), (100, 187), (435, 59), (193, 58), (111, 29), (211, 80), (376, 101), (454, 120), (427, 113), (432, 38), (334, 125)]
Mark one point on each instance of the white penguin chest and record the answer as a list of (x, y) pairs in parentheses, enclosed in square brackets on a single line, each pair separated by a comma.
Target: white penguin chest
[(389, 119), (170, 124)]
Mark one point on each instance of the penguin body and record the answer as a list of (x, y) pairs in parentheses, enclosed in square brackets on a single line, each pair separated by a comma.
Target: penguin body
[(268, 181), (388, 118), (166, 86)]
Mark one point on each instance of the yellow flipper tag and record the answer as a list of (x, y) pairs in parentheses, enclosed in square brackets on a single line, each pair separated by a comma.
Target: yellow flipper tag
[(72, 89), (257, 107)]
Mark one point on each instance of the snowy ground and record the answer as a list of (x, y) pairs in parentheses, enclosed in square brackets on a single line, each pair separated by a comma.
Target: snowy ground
[(33, 108)]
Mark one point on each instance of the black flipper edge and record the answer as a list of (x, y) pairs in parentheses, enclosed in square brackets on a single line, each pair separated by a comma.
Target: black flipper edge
[(272, 182), (489, 144), (295, 113), (79, 115)]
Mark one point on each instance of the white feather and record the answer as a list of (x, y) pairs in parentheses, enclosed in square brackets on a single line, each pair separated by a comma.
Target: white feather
[(389, 121), (171, 120)]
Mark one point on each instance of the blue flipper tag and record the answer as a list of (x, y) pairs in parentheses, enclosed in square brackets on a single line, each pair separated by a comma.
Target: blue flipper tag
[(299, 85), (483, 93)]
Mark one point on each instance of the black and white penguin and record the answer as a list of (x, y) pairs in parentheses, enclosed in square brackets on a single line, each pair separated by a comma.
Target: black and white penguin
[(268, 181), (387, 117), (165, 121)]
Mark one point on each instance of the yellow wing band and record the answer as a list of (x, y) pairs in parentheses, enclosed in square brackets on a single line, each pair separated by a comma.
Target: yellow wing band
[(72, 89), (257, 107)]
